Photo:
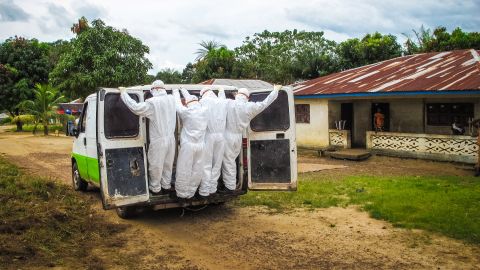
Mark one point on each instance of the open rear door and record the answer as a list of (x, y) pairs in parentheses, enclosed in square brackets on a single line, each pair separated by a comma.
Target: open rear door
[(121, 150), (272, 147)]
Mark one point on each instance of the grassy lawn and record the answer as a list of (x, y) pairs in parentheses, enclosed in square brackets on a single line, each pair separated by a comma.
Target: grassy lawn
[(448, 205), (44, 224)]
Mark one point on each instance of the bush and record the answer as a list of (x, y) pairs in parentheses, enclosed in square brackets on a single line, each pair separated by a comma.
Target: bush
[(29, 128), (24, 118), (6, 121)]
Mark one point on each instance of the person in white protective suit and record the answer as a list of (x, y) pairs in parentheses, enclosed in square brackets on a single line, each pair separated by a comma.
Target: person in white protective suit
[(214, 141), (192, 140), (239, 114), (160, 110)]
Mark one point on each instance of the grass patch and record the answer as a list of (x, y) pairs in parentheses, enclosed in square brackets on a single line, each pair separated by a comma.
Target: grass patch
[(448, 205), (44, 224)]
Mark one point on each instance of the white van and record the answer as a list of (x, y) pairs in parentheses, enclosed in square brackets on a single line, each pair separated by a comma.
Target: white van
[(111, 144)]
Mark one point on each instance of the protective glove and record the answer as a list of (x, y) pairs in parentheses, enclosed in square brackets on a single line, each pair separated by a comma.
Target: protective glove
[(221, 89), (184, 92), (122, 89), (277, 87), (175, 91)]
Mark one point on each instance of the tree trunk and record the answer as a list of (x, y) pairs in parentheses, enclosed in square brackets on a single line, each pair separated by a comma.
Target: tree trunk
[(18, 123), (19, 126), (45, 130)]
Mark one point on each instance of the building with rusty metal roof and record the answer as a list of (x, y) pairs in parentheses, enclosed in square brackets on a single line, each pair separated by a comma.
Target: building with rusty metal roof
[(420, 105)]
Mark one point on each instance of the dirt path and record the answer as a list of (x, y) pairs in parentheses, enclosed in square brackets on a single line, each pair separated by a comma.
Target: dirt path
[(252, 238)]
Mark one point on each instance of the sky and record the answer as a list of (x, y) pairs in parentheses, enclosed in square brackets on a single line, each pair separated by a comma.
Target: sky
[(173, 29)]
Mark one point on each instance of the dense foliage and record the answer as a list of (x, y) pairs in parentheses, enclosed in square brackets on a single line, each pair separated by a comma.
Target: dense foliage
[(100, 55), (23, 63)]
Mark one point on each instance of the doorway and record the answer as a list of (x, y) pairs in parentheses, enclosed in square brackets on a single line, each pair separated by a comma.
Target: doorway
[(346, 113), (383, 108)]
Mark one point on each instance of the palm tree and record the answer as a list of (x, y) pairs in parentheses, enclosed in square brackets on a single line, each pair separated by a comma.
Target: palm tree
[(206, 47), (44, 104)]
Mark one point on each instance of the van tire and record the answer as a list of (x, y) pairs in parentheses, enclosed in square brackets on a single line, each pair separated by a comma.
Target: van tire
[(78, 183), (126, 212)]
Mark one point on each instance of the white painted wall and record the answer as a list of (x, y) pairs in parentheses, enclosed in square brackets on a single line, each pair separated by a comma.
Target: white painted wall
[(314, 134)]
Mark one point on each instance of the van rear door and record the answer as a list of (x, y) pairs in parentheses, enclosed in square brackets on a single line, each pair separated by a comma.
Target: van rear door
[(121, 150), (272, 147)]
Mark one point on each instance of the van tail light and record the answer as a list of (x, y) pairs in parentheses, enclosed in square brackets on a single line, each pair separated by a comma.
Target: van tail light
[(245, 157)]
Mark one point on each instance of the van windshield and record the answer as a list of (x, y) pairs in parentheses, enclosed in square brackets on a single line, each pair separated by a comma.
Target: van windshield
[(276, 117), (119, 121)]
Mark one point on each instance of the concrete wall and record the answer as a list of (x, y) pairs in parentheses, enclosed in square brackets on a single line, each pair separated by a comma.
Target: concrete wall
[(315, 133)]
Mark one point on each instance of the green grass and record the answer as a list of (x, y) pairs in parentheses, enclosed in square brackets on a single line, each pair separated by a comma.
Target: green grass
[(29, 128), (45, 224), (448, 205)]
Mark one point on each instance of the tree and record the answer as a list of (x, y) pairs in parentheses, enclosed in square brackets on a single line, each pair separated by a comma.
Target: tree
[(100, 55), (188, 73), (218, 63), (169, 75), (440, 40), (23, 63), (285, 57), (370, 49), (43, 106), (206, 47)]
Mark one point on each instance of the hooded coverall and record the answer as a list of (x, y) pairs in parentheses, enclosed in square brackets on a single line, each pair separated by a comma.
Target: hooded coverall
[(160, 110), (190, 160), (214, 141), (239, 114)]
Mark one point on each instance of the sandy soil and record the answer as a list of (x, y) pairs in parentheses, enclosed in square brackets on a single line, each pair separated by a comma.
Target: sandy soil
[(220, 237)]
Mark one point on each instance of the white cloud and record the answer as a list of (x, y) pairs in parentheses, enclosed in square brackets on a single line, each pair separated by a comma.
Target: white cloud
[(173, 29)]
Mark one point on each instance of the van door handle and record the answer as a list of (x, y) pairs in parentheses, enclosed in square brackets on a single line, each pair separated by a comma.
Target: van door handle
[(84, 141)]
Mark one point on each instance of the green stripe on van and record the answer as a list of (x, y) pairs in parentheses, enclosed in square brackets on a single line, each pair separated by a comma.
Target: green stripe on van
[(88, 167)]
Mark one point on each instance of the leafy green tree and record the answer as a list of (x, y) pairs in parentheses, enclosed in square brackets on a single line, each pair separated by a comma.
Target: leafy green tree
[(370, 49), (284, 57), (218, 63), (23, 63), (440, 40), (206, 47), (169, 75), (100, 55), (188, 73), (43, 106)]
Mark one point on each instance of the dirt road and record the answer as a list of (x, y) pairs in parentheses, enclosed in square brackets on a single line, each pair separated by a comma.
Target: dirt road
[(253, 238)]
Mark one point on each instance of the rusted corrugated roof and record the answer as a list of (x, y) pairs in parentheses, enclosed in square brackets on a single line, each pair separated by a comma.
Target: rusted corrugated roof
[(438, 71)]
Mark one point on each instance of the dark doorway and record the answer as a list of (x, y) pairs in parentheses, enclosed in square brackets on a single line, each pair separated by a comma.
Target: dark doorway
[(346, 113), (383, 108)]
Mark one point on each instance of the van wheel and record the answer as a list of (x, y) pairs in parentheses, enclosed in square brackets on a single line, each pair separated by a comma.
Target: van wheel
[(127, 212), (78, 183)]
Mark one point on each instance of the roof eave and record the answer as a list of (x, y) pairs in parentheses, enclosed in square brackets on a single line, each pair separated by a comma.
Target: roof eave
[(390, 94)]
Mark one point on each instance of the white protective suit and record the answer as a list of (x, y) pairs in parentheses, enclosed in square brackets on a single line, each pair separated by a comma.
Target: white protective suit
[(192, 140), (161, 111), (214, 140), (239, 114)]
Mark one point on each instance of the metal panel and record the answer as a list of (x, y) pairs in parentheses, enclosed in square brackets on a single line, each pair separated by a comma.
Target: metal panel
[(270, 161), (125, 171)]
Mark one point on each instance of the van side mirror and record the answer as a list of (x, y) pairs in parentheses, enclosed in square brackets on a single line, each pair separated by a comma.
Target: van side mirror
[(74, 132)]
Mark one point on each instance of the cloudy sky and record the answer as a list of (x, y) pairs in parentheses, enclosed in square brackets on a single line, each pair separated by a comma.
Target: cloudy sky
[(173, 29)]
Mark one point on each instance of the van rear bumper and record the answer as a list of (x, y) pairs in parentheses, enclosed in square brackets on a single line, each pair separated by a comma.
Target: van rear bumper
[(165, 201)]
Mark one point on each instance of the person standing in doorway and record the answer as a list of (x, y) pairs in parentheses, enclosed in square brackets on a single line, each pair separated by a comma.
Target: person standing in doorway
[(379, 120)]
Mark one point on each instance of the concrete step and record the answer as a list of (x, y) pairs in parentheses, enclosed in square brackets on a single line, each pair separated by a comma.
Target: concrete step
[(351, 154)]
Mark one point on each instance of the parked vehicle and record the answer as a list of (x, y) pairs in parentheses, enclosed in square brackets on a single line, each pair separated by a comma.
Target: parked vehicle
[(110, 146)]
